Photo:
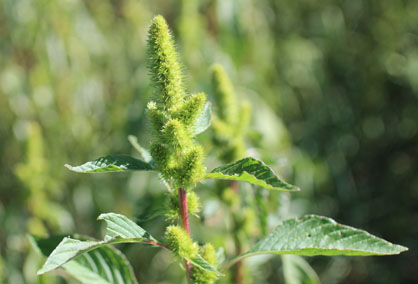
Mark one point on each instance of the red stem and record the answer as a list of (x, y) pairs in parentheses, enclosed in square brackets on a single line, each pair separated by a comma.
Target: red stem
[(234, 186), (156, 244), (184, 213)]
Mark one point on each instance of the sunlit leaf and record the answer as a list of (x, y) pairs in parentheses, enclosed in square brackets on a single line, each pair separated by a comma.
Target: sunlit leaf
[(112, 163), (119, 230), (252, 171), (315, 235), (104, 265)]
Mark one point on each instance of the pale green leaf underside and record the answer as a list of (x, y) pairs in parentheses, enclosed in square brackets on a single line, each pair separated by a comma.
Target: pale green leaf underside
[(203, 121), (315, 235), (252, 171), (112, 163), (119, 230), (145, 154), (297, 271), (104, 265)]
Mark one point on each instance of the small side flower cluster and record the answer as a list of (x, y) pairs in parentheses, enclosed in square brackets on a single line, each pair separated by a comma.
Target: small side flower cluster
[(232, 120), (172, 112)]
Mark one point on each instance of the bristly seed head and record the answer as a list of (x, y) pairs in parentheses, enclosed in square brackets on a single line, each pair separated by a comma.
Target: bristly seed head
[(173, 113)]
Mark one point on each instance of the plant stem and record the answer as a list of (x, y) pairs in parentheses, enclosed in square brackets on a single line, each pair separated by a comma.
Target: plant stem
[(184, 213), (234, 186), (238, 272), (157, 244)]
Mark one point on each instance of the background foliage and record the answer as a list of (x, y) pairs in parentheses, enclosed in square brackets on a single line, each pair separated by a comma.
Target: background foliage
[(333, 87)]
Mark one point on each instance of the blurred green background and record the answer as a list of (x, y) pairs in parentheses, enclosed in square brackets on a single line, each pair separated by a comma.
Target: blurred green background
[(333, 85)]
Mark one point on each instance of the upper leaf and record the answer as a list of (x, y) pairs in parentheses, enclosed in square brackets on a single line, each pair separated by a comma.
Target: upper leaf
[(203, 120), (112, 163), (104, 265), (119, 230), (315, 235), (252, 171)]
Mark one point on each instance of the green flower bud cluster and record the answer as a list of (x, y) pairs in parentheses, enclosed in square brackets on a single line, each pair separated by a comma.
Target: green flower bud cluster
[(180, 242), (231, 122), (173, 207), (172, 112), (201, 276)]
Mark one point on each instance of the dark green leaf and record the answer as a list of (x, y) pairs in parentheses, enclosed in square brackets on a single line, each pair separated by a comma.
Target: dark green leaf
[(112, 163), (315, 235), (252, 171)]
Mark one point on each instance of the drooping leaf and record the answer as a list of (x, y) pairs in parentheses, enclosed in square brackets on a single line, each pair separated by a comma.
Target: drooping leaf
[(119, 230), (203, 121), (252, 171), (315, 235), (104, 265), (145, 154), (112, 163), (297, 271)]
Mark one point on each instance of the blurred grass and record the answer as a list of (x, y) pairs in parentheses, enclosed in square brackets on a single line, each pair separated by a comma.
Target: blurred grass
[(333, 85)]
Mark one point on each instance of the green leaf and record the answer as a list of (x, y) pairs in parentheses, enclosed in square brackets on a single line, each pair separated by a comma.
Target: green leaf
[(104, 265), (252, 171), (203, 120), (315, 235), (119, 230), (145, 154), (200, 262), (112, 163), (297, 271)]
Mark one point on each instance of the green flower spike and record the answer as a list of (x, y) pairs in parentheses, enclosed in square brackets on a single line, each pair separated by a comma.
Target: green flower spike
[(231, 121), (173, 113)]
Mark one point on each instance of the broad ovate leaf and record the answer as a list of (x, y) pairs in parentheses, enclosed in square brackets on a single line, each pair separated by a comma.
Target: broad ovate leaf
[(315, 235), (253, 171), (104, 265), (119, 230), (112, 163), (203, 120), (297, 271)]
